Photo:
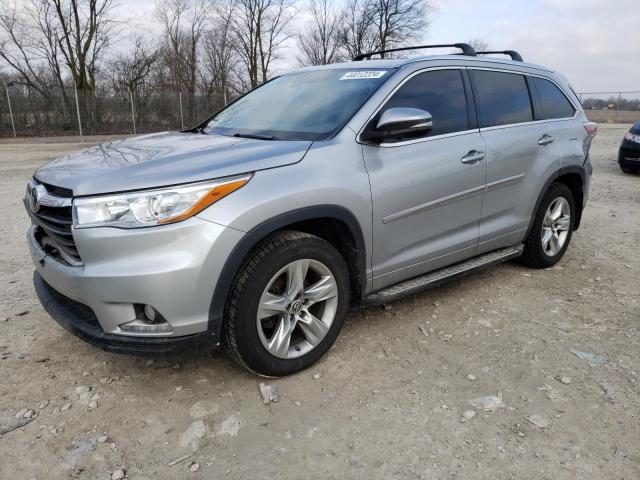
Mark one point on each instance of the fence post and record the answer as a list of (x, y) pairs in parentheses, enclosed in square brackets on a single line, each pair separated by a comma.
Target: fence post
[(13, 125), (133, 112), (75, 89), (181, 116)]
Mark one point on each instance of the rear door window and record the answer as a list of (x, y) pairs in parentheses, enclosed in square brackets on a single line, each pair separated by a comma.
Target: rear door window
[(553, 102), (439, 92), (501, 98)]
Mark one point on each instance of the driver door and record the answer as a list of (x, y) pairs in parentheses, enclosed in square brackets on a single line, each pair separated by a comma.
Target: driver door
[(427, 192)]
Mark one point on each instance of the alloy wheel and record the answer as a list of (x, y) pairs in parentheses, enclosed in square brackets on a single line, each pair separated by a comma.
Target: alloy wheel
[(555, 226), (297, 308)]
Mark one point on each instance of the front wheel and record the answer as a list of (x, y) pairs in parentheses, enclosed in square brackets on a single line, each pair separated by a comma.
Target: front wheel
[(288, 304), (552, 228), (628, 169)]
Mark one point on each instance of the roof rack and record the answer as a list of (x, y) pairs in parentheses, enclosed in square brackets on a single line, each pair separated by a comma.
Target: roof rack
[(466, 50), (512, 53)]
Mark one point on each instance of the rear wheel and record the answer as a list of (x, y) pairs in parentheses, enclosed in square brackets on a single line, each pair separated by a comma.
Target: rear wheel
[(552, 228), (288, 304)]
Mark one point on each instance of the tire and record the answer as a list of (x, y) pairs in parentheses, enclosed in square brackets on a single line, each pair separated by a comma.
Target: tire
[(628, 169), (248, 338), (536, 253)]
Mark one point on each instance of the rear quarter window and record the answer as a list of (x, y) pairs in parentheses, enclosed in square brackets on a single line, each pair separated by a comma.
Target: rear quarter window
[(553, 103), (502, 98)]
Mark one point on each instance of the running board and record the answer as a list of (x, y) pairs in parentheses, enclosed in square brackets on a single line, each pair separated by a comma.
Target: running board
[(443, 275)]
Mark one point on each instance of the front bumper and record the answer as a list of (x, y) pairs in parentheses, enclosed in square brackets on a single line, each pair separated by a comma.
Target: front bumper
[(80, 320), (629, 154), (174, 268)]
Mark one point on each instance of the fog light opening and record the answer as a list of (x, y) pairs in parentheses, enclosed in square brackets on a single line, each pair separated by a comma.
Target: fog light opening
[(150, 313), (148, 320)]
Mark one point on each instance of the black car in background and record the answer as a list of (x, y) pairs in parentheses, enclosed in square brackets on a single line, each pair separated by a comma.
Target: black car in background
[(629, 156)]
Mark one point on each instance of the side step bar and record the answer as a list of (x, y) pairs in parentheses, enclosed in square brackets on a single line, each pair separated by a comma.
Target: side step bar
[(443, 275)]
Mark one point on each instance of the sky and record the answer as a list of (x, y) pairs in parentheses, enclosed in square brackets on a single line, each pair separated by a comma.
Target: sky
[(590, 41)]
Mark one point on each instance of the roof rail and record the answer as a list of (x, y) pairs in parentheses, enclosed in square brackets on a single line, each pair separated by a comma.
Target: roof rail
[(466, 50), (512, 53)]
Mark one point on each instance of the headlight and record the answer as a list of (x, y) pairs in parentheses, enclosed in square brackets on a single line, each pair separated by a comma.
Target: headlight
[(153, 207), (632, 137)]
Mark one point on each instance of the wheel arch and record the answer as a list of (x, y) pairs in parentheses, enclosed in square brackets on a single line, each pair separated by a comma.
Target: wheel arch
[(333, 223), (574, 178)]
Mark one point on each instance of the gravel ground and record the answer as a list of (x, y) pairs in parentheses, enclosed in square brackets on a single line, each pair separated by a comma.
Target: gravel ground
[(390, 400)]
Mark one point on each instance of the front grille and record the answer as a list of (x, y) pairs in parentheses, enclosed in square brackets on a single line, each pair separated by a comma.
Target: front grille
[(59, 191), (54, 219)]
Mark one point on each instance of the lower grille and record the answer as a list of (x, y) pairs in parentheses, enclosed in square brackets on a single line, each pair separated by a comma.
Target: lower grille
[(630, 153), (53, 217), (71, 308)]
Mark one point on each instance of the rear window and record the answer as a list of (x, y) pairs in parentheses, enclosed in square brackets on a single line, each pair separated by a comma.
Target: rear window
[(553, 102), (502, 98)]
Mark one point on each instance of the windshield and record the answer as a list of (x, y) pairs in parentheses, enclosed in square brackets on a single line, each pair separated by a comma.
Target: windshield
[(310, 105)]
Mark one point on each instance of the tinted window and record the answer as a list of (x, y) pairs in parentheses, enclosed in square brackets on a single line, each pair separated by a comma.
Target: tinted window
[(441, 93), (309, 105), (502, 98), (553, 102)]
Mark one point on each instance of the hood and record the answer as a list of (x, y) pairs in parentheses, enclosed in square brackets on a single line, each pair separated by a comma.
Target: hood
[(163, 159)]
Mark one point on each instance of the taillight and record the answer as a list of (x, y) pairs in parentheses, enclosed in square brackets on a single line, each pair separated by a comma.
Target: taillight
[(591, 128)]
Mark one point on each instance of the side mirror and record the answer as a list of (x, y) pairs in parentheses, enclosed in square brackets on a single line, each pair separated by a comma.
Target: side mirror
[(399, 121)]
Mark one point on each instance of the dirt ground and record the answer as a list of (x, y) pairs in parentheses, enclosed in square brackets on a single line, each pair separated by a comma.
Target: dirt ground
[(389, 399)]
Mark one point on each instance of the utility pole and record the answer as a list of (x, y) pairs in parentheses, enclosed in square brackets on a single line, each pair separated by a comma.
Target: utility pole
[(181, 116), (133, 112), (6, 89), (75, 89)]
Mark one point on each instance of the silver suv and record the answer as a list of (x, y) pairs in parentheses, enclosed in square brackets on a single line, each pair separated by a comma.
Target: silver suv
[(323, 189)]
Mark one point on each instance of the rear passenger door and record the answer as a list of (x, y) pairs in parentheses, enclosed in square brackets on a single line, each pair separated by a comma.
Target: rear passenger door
[(427, 191), (520, 152)]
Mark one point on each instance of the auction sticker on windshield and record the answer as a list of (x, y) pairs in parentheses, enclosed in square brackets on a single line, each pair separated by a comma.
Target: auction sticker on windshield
[(363, 75)]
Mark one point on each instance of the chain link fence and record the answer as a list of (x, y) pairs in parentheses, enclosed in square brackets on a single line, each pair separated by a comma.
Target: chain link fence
[(611, 107), (25, 112)]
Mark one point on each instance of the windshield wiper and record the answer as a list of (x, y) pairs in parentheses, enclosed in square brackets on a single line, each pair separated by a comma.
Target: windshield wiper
[(254, 136)]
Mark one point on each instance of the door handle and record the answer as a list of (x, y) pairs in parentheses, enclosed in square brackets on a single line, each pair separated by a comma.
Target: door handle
[(472, 157), (545, 140)]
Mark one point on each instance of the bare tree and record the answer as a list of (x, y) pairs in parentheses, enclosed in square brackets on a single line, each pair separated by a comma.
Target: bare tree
[(184, 24), (356, 34), (260, 28), (382, 24), (29, 50), (84, 30), (320, 42), (131, 71), (44, 41), (397, 22), (479, 45), (220, 59)]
